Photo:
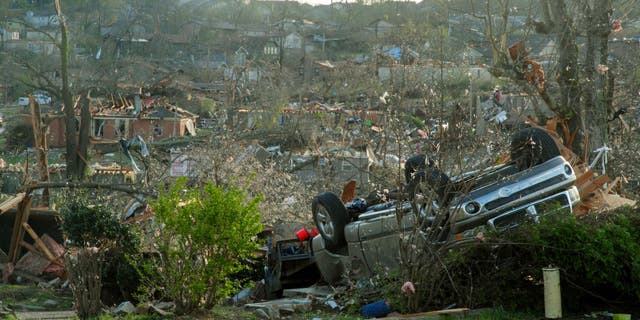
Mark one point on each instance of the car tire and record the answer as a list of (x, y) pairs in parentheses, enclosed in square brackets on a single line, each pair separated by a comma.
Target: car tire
[(330, 216), (415, 164), (531, 147)]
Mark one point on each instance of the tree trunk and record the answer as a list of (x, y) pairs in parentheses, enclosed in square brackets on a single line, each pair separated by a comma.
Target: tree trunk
[(70, 117), (569, 106), (85, 275), (83, 139), (603, 85)]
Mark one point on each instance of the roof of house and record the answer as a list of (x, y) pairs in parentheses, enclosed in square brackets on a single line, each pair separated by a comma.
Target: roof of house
[(148, 108)]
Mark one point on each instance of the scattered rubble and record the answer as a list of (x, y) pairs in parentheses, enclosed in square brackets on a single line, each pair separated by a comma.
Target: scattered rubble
[(343, 153), (124, 308)]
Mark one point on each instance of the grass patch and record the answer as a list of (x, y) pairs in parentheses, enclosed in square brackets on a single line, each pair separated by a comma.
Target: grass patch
[(479, 314), (217, 313), (230, 313), (501, 314), (15, 296)]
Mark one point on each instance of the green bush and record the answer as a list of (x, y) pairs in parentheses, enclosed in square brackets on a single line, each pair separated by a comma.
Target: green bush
[(204, 236), (88, 225), (98, 260), (19, 136), (598, 255)]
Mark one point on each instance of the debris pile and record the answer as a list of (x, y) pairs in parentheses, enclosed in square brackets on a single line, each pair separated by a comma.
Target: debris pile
[(597, 191)]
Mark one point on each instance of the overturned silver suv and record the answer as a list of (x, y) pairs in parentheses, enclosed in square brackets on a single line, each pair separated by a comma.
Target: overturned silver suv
[(360, 238)]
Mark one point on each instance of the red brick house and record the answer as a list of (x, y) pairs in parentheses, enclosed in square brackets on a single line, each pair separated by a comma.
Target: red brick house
[(155, 122), (152, 119)]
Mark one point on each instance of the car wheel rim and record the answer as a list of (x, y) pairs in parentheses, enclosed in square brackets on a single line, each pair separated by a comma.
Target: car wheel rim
[(324, 222)]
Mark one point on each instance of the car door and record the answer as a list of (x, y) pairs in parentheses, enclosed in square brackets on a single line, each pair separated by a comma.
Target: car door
[(379, 241)]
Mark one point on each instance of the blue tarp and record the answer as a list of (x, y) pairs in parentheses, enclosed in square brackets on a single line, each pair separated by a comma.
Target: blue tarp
[(395, 52)]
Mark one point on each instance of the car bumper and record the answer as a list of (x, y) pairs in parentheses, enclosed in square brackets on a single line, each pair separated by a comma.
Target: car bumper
[(531, 211)]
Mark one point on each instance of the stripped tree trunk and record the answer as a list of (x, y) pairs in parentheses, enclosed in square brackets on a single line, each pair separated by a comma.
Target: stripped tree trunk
[(84, 268), (69, 113), (83, 138)]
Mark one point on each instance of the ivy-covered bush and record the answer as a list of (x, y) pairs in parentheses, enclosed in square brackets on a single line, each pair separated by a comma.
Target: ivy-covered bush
[(88, 225), (97, 257), (204, 235)]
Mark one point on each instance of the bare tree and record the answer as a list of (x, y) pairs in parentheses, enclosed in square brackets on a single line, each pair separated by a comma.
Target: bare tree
[(71, 126), (584, 96)]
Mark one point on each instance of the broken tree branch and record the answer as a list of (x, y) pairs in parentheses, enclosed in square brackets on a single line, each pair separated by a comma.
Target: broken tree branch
[(40, 139), (89, 185)]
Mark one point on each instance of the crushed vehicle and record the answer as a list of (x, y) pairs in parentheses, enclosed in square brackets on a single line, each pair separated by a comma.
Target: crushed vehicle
[(359, 237), (290, 264)]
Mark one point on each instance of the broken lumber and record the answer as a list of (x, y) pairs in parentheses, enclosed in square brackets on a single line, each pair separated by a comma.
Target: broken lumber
[(592, 186), (39, 242), (10, 203), (584, 178), (612, 185), (17, 235), (40, 140), (31, 248), (36, 262), (35, 250)]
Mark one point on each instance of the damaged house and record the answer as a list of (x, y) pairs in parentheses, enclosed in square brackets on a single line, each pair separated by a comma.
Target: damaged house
[(153, 119)]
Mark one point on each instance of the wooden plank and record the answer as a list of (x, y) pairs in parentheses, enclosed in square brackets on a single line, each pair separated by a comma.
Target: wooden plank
[(17, 235), (56, 249), (31, 248), (40, 141), (43, 248), (35, 250), (584, 178), (11, 203), (615, 182), (593, 186)]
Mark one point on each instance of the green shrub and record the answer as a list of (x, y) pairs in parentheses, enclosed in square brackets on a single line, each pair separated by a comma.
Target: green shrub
[(88, 225), (204, 235), (598, 255), (19, 136), (99, 259)]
